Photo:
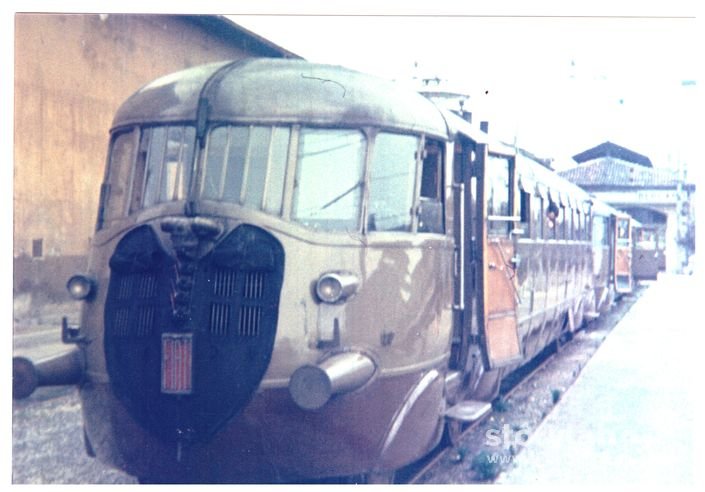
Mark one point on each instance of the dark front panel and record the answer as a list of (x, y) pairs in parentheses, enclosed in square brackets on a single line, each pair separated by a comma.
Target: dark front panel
[(188, 339)]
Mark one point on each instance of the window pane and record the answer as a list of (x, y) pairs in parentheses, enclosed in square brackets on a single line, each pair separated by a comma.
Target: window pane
[(277, 170), (392, 182), (215, 159), (154, 140), (497, 177), (236, 158), (430, 173), (122, 155), (177, 163), (622, 232), (329, 178), (169, 157), (552, 217), (257, 167)]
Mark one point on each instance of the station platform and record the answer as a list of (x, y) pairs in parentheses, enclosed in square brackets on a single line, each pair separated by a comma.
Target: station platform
[(631, 417)]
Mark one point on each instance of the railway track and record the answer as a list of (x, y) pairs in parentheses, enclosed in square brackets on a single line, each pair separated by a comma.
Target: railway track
[(448, 454)]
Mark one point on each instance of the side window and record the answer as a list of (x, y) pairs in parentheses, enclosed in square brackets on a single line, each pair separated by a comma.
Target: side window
[(563, 223), (497, 190), (431, 199), (552, 216), (537, 217), (116, 187), (525, 213), (392, 177), (580, 226), (600, 238), (622, 232), (329, 179)]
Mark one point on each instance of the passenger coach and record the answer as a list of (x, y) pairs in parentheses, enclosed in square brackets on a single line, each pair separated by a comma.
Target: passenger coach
[(301, 271)]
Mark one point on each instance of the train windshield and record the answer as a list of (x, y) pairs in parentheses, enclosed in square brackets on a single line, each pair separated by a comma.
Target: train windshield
[(147, 167), (329, 179), (164, 165), (246, 165)]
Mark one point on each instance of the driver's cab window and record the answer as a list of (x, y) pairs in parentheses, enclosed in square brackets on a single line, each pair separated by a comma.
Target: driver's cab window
[(431, 189)]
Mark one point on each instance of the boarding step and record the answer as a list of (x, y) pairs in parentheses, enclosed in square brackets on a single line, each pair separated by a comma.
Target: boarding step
[(468, 410), (591, 315)]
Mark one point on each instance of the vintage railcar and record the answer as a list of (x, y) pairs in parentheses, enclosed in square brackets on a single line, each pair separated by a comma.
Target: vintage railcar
[(649, 252), (301, 271)]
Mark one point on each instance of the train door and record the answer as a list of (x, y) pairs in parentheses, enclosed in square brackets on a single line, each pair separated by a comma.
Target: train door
[(645, 262), (499, 296), (622, 254)]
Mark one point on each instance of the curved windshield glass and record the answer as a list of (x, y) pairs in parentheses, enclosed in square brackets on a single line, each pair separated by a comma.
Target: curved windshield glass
[(147, 166), (246, 165), (166, 155), (116, 187), (329, 179)]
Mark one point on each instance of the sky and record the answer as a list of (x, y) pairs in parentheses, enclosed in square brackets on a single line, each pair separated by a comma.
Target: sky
[(557, 85), (556, 77)]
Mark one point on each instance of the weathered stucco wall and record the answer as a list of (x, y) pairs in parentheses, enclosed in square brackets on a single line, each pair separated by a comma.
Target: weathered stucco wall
[(71, 74)]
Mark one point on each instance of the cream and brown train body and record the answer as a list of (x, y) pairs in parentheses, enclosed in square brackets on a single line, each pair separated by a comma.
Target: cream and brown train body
[(300, 271)]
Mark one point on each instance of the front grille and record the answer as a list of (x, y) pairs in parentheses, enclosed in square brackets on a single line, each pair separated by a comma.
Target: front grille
[(224, 303)]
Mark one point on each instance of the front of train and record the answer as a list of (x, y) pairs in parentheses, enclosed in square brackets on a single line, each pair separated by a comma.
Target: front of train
[(270, 280)]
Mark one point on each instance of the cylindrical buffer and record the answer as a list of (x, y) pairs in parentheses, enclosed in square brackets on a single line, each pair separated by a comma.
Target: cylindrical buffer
[(311, 386)]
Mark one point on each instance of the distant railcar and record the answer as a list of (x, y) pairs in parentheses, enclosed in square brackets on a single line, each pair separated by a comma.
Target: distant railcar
[(300, 271), (649, 254)]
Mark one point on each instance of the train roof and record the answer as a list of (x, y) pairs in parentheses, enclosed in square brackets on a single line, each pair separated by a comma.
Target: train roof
[(271, 90), (604, 209)]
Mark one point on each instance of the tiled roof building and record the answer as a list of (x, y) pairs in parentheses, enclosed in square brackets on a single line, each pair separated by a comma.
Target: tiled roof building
[(612, 173), (609, 149), (655, 197)]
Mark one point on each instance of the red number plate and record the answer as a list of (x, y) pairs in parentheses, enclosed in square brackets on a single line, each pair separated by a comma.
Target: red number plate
[(177, 351)]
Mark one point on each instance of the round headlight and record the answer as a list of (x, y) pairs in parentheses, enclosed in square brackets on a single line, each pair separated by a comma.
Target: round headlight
[(329, 289), (80, 287), (336, 286)]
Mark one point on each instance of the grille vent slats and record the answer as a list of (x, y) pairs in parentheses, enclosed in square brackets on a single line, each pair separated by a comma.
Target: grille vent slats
[(249, 321), (219, 319), (254, 285), (147, 287), (145, 321), (234, 308), (121, 322), (224, 283), (235, 302), (136, 315), (124, 290)]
